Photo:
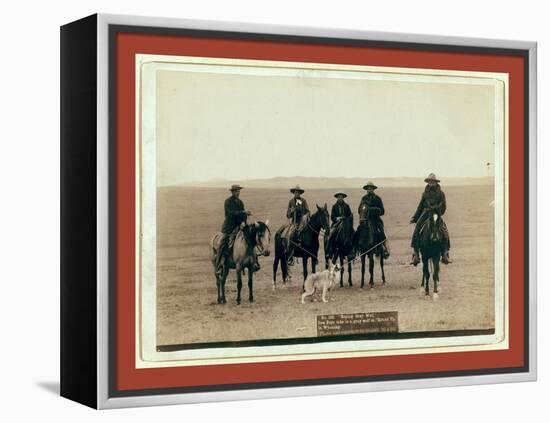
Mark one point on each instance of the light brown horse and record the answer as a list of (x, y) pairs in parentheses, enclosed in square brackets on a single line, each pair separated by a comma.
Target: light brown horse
[(251, 241)]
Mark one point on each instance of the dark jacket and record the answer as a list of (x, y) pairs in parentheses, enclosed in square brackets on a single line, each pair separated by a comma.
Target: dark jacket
[(234, 214), (340, 210), (431, 198), (375, 208), (295, 211)]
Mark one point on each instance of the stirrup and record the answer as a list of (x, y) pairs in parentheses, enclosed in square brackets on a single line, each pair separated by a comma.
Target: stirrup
[(415, 260)]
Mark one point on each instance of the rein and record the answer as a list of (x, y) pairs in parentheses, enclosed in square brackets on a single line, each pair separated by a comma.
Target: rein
[(313, 229), (369, 250), (315, 215), (259, 246), (303, 249)]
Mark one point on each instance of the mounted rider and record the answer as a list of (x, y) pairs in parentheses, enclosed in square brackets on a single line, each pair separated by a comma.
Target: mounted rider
[(298, 215), (340, 210), (433, 198), (372, 208), (235, 216)]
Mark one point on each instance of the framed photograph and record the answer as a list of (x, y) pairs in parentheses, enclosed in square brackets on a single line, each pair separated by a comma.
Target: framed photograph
[(254, 211)]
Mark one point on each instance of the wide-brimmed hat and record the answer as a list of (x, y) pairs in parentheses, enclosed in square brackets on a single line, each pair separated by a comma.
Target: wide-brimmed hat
[(431, 178), (235, 188), (369, 184), (297, 189), (340, 194)]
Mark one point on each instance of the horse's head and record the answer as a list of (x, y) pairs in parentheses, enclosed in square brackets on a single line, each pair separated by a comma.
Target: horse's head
[(263, 238), (434, 220), (324, 219), (363, 212)]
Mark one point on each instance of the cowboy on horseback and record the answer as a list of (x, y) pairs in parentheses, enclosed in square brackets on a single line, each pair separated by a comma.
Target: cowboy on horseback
[(433, 198), (372, 208), (297, 214), (340, 210), (235, 216)]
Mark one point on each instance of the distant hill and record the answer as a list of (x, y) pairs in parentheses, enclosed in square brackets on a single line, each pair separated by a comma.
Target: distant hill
[(322, 182)]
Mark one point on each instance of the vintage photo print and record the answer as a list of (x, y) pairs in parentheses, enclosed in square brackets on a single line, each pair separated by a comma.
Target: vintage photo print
[(305, 210)]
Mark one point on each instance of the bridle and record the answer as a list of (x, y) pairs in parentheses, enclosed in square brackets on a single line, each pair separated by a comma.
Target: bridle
[(317, 232), (260, 248)]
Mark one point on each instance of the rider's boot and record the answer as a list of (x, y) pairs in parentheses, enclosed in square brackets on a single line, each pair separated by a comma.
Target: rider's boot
[(386, 250), (290, 257), (415, 258), (219, 263), (256, 264), (445, 257)]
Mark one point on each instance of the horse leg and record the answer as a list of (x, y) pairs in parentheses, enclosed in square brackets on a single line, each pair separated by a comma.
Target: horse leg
[(363, 270), (275, 267), (371, 270), (221, 286), (349, 273), (239, 283), (341, 257), (426, 271), (218, 286), (436, 274), (250, 281), (304, 267), (382, 269), (284, 268)]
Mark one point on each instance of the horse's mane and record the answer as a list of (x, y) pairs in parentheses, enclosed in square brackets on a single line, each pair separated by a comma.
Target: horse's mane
[(363, 215), (263, 226), (429, 226), (344, 230), (317, 215), (250, 230)]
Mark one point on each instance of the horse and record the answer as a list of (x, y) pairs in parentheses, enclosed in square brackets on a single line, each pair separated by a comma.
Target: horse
[(430, 244), (340, 245), (309, 247), (369, 242), (252, 240)]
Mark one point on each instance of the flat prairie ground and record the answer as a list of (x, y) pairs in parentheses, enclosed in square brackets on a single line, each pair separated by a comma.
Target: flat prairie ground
[(187, 310)]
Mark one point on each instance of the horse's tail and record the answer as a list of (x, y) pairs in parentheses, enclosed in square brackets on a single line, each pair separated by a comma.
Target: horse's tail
[(280, 255), (279, 246), (214, 245)]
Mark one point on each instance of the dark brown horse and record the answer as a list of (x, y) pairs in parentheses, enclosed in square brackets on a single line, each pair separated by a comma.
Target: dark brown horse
[(431, 244), (251, 241), (307, 249), (339, 245), (368, 241)]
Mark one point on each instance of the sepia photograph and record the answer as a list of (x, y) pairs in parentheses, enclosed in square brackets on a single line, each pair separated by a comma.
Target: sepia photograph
[(317, 210)]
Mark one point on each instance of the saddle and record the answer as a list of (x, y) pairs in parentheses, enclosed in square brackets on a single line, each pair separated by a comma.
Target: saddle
[(225, 247), (440, 228), (292, 229)]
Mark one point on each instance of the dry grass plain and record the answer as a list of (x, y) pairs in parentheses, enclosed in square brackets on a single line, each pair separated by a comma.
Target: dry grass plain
[(187, 311)]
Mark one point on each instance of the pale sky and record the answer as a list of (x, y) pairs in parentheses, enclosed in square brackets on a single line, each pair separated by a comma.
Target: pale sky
[(240, 127)]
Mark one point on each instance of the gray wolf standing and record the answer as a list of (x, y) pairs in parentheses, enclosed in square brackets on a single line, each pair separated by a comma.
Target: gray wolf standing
[(324, 280)]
